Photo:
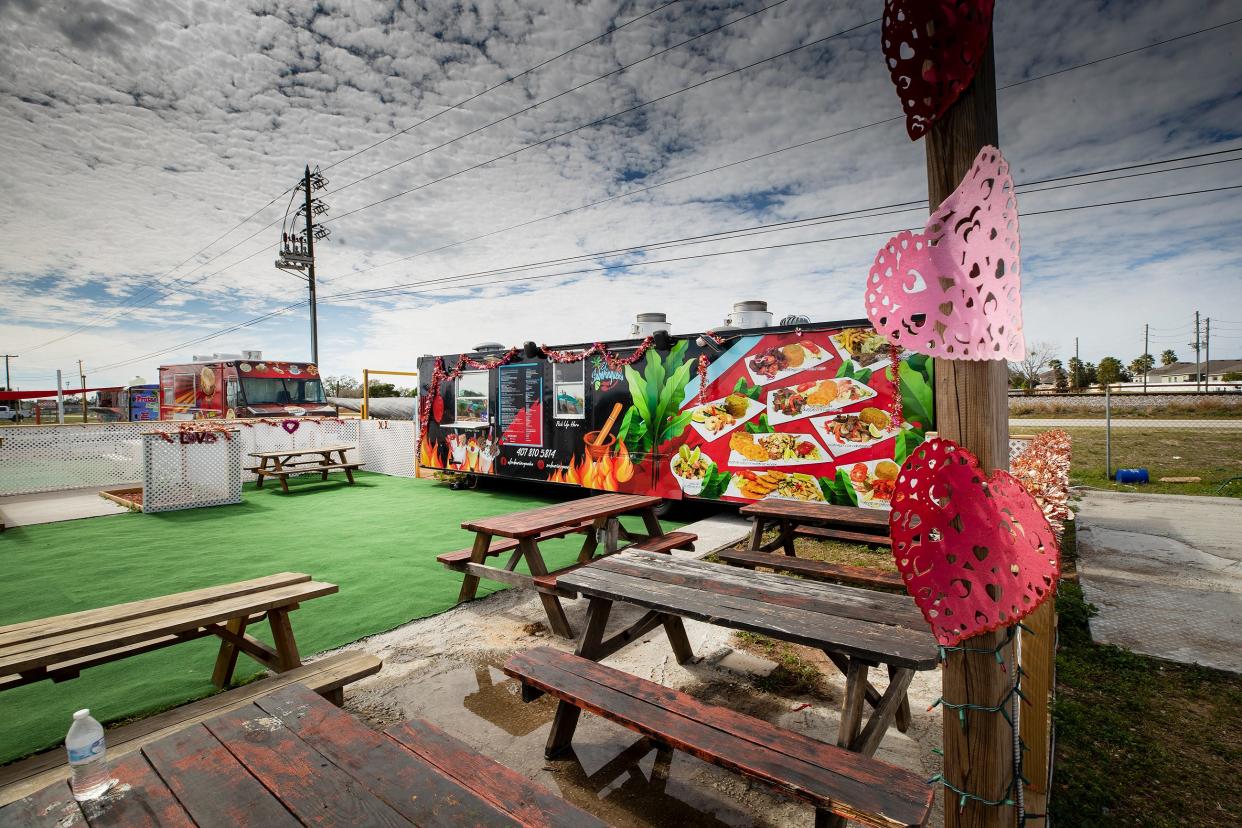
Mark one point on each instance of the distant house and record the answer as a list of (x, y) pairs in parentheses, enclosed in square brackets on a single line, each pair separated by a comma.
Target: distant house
[(1184, 372)]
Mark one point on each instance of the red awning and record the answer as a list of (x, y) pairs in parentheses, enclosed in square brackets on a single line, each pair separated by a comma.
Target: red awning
[(6, 396)]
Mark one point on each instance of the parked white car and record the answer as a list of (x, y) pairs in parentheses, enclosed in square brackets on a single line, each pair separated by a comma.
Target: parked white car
[(10, 414)]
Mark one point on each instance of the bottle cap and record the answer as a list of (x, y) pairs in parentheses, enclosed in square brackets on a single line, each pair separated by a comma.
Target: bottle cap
[(83, 713)]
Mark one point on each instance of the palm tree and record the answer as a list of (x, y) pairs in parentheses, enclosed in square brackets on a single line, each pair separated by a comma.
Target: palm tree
[(1168, 357)]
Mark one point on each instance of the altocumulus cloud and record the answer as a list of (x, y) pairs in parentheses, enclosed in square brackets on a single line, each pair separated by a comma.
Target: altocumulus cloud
[(137, 132)]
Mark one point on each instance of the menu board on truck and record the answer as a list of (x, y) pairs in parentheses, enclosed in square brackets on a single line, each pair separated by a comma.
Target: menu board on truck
[(822, 412), (520, 404)]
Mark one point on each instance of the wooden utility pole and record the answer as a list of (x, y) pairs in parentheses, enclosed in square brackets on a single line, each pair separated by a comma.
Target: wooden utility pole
[(82, 376), (972, 409), (8, 385), (310, 271)]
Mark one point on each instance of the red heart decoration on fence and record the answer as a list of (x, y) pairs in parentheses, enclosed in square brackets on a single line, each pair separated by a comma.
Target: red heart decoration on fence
[(933, 49), (954, 290), (976, 552), (289, 426)]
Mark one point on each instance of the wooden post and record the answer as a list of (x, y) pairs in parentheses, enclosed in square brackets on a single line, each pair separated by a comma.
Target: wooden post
[(972, 410), (1039, 672)]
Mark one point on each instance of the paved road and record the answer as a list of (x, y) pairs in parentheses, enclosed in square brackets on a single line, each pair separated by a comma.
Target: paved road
[(1165, 572), (1210, 425)]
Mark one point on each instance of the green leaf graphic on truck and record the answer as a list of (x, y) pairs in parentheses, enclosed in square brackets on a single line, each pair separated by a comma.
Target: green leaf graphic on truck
[(654, 417)]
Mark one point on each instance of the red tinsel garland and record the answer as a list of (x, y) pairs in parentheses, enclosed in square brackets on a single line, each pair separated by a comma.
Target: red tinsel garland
[(188, 431), (703, 363), (894, 361)]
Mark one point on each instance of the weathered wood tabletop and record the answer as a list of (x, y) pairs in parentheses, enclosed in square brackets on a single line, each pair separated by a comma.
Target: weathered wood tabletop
[(857, 628), (292, 758), (285, 453), (62, 646), (596, 517), (536, 521), (795, 518)]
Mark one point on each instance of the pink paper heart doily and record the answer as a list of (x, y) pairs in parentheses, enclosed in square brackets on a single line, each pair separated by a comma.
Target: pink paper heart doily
[(933, 49), (975, 551), (953, 291)]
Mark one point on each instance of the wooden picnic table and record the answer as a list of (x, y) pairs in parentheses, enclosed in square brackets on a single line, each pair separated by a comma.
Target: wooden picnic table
[(60, 647), (857, 629), (596, 517), (291, 758), (285, 462), (796, 518)]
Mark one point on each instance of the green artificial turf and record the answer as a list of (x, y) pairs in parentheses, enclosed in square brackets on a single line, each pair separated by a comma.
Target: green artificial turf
[(377, 540)]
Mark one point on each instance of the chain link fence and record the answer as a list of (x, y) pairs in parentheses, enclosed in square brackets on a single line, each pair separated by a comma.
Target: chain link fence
[(55, 458), (1160, 443)]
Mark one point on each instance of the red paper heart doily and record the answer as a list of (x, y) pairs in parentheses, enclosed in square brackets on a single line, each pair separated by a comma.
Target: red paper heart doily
[(975, 552), (954, 291), (289, 426), (933, 49)]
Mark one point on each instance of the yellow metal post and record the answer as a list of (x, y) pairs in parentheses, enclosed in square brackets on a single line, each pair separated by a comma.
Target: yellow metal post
[(366, 391)]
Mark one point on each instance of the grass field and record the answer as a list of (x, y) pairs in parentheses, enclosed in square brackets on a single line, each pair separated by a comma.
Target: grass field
[(1140, 741), (1228, 409), (377, 540), (1214, 456)]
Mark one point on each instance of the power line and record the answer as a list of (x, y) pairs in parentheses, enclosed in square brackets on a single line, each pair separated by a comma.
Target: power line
[(569, 91), (796, 146), (607, 118), (389, 291), (522, 149), (506, 81), (899, 204), (1129, 52), (378, 292), (146, 291)]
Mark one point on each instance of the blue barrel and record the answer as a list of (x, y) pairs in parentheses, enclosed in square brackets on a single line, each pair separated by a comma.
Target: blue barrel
[(1132, 476)]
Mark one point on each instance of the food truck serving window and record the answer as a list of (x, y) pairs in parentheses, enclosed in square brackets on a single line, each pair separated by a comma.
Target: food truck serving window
[(470, 399), (185, 388), (569, 390), (281, 391)]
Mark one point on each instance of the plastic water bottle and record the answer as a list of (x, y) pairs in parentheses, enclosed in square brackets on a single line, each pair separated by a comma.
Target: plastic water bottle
[(85, 745)]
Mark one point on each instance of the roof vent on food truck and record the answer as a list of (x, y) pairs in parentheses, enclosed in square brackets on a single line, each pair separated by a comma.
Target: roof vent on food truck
[(753, 313), (646, 324), (796, 319), (252, 356), (489, 346)]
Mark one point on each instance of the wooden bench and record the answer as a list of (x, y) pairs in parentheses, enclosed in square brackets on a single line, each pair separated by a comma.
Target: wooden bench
[(663, 545), (284, 474), (863, 576), (669, 542), (327, 677), (844, 535), (60, 647), (458, 558), (835, 781)]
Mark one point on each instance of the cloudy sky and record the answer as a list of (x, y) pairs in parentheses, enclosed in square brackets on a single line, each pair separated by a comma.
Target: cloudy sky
[(138, 135)]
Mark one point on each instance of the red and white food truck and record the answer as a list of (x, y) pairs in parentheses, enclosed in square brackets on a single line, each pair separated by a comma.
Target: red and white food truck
[(222, 387)]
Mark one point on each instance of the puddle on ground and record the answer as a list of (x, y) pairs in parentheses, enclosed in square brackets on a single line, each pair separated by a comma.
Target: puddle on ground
[(623, 778)]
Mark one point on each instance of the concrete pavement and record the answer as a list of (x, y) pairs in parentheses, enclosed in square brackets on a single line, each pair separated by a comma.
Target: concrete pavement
[(1165, 572)]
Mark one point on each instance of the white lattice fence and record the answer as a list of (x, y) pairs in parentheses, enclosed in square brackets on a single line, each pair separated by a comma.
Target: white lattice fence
[(191, 471), (51, 458), (387, 446), (55, 458), (306, 433)]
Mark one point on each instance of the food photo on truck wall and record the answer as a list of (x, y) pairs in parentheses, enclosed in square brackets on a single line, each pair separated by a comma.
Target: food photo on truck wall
[(823, 412)]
